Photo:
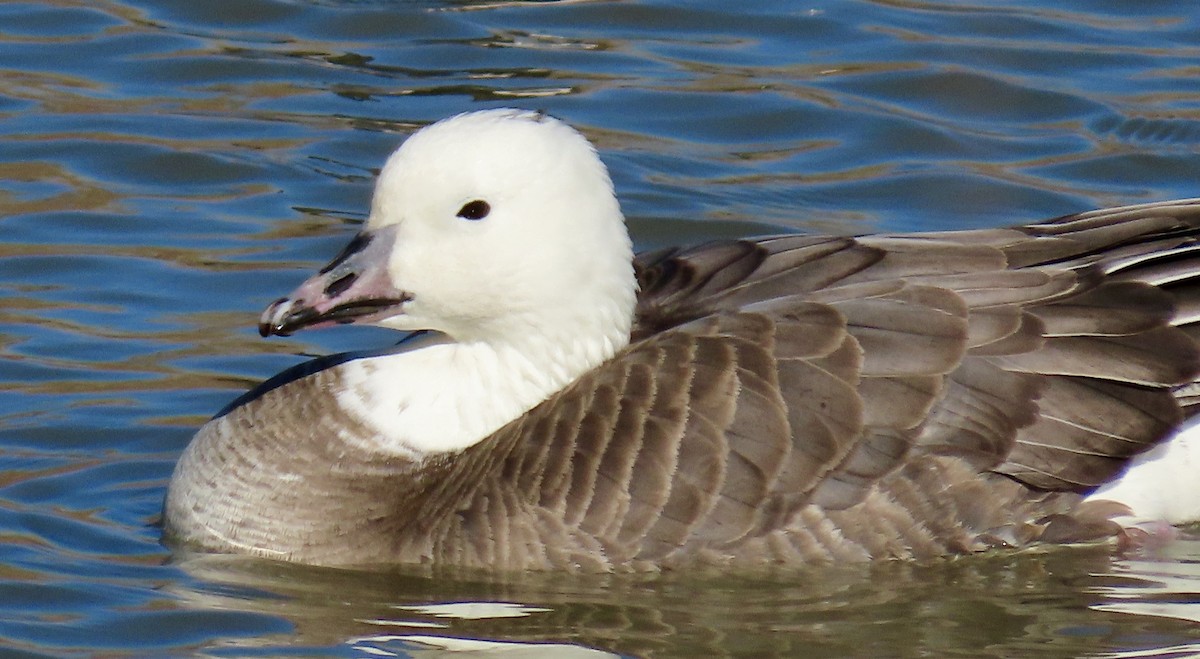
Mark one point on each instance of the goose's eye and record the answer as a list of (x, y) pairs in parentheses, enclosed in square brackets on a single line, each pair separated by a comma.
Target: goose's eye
[(474, 210)]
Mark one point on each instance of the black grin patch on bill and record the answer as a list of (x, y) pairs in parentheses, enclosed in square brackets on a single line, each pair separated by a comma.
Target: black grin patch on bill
[(342, 314), (346, 313)]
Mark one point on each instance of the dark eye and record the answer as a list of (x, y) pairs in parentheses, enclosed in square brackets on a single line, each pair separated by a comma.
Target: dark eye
[(474, 210)]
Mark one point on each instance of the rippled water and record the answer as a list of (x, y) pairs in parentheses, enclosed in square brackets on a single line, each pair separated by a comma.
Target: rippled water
[(168, 168)]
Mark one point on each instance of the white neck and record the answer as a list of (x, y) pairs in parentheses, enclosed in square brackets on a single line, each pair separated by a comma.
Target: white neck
[(441, 395)]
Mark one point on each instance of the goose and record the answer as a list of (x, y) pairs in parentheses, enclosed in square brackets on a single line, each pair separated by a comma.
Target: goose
[(561, 404)]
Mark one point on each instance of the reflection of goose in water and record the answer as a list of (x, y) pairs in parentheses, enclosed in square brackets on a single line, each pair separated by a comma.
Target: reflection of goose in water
[(786, 399), (1007, 602)]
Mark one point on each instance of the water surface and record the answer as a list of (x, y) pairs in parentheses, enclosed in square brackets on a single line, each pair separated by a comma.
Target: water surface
[(169, 168)]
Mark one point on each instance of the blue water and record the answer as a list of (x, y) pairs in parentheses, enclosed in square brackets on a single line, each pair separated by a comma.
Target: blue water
[(169, 168)]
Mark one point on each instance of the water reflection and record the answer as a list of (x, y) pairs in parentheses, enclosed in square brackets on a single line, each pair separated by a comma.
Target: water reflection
[(1002, 606), (1166, 584)]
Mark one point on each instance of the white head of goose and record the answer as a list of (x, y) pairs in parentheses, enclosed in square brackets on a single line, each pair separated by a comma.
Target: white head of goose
[(776, 400)]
